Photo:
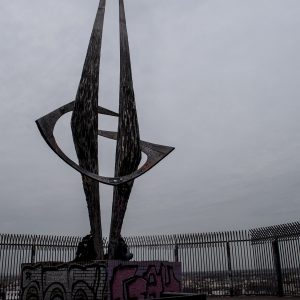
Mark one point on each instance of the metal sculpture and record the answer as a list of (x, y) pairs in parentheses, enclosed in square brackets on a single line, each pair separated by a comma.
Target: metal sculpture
[(84, 125)]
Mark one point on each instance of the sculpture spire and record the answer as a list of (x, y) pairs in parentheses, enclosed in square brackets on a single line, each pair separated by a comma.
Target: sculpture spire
[(84, 124), (128, 152)]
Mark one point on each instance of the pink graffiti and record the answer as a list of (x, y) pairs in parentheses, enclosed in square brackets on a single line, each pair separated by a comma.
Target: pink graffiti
[(136, 288), (117, 283), (126, 285)]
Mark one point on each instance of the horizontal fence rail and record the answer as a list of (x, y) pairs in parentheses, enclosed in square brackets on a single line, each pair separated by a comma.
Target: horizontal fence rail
[(261, 261)]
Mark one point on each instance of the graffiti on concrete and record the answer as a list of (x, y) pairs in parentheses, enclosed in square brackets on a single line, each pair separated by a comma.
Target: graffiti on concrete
[(50, 281), (99, 280), (127, 284)]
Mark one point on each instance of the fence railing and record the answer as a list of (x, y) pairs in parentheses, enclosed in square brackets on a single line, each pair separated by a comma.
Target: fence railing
[(263, 261)]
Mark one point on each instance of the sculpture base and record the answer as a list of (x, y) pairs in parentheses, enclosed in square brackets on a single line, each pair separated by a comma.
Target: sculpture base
[(97, 280)]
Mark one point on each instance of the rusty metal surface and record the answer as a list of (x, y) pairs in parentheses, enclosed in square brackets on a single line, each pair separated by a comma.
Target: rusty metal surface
[(155, 153), (84, 125), (128, 151)]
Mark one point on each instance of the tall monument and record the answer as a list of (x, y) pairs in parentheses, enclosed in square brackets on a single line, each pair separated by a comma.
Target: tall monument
[(84, 125)]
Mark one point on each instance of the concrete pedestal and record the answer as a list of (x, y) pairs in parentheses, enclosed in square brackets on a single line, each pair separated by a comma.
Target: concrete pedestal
[(99, 280)]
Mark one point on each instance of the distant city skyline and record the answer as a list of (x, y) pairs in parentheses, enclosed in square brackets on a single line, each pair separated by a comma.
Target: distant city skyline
[(218, 80)]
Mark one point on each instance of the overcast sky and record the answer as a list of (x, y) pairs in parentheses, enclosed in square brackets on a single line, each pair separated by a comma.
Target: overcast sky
[(218, 80)]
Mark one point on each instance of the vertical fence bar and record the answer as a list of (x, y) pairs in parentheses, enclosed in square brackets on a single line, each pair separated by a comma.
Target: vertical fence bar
[(277, 265), (2, 294), (176, 252), (33, 252), (229, 267), (286, 257)]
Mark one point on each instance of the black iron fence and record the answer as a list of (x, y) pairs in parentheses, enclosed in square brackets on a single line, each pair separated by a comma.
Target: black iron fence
[(264, 261)]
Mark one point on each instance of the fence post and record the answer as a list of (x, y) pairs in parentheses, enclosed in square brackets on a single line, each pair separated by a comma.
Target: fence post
[(176, 252), (229, 267), (33, 248), (277, 265)]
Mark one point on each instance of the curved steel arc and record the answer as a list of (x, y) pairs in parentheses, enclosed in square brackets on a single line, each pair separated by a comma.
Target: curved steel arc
[(155, 153)]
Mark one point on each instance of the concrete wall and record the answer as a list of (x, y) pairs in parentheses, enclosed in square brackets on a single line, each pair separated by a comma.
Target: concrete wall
[(99, 280)]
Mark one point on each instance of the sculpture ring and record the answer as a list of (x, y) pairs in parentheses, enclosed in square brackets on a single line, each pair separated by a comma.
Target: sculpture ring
[(155, 153)]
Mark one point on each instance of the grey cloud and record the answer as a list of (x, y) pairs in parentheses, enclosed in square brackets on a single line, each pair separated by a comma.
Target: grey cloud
[(219, 80)]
